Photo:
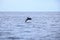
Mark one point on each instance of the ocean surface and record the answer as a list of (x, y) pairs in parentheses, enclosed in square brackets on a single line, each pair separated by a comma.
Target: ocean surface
[(43, 26)]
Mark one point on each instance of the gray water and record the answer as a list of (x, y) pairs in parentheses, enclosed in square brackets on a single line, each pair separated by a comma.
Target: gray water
[(43, 26)]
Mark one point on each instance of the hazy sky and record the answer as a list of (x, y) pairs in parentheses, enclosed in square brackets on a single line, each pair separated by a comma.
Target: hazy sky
[(29, 5)]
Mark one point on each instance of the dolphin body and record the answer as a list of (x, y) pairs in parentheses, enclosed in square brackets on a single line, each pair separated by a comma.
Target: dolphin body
[(28, 18)]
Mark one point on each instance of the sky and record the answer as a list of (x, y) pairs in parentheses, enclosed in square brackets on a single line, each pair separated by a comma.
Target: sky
[(29, 5)]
